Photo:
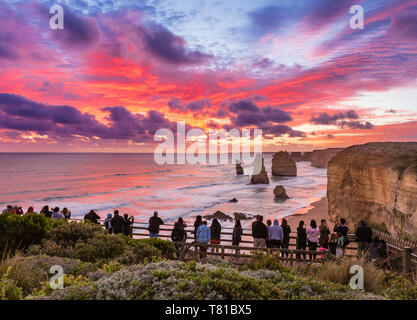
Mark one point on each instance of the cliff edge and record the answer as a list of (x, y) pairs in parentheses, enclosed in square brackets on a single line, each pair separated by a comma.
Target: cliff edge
[(376, 182)]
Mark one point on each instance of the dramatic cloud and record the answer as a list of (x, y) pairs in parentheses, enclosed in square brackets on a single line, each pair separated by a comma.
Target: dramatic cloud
[(284, 67), (366, 125), (19, 113), (247, 113), (171, 48), (404, 26), (326, 119), (193, 106)]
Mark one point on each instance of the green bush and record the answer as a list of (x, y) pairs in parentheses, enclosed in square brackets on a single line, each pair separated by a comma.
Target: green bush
[(401, 288), (8, 288), (19, 232), (29, 272), (69, 234), (339, 272), (166, 248), (101, 248), (261, 260), (69, 281)]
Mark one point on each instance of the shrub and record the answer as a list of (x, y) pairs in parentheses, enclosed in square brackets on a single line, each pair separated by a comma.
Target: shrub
[(69, 281), (262, 260), (18, 232), (175, 280), (101, 248), (166, 248), (401, 288), (51, 248), (73, 232), (8, 288), (30, 272), (335, 272)]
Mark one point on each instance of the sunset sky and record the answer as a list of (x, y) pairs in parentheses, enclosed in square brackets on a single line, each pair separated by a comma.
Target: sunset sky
[(120, 70)]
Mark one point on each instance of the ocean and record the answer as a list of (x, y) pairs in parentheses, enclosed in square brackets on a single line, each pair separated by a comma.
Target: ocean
[(135, 184)]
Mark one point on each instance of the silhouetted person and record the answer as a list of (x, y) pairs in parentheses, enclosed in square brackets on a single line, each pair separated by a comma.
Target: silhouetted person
[(363, 238), (259, 233), (342, 228), (203, 238), (301, 239), (128, 224), (268, 240), (237, 234), (93, 217), (216, 230), (276, 235), (154, 223), (46, 212), (117, 223), (56, 215), (107, 223), (198, 221), (324, 234), (66, 213), (313, 237), (286, 241)]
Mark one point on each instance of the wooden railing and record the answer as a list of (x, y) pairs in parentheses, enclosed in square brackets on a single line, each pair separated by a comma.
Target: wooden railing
[(405, 253)]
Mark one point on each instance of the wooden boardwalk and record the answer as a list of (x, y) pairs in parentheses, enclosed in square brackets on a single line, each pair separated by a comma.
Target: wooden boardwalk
[(401, 255)]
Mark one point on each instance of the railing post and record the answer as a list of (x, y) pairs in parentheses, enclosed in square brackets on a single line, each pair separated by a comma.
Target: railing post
[(222, 254), (407, 259), (291, 258)]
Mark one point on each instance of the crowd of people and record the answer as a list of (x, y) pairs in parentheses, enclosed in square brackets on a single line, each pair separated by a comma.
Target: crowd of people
[(273, 235), (54, 213), (114, 224), (277, 236)]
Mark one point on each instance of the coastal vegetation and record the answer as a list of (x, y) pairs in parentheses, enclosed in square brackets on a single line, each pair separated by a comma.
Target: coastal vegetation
[(97, 265)]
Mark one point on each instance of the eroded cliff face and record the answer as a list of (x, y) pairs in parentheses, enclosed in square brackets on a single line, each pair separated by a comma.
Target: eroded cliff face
[(375, 182), (320, 158)]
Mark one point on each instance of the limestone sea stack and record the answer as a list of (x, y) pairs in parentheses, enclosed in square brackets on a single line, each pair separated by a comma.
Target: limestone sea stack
[(375, 182), (320, 158), (261, 177), (283, 164), (280, 193), (239, 168), (301, 156)]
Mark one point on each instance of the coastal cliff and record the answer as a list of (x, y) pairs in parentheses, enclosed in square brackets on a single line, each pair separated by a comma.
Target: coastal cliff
[(320, 158), (375, 182)]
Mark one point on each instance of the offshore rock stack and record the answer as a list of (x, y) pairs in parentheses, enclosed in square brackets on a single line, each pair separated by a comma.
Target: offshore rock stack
[(283, 165), (262, 176)]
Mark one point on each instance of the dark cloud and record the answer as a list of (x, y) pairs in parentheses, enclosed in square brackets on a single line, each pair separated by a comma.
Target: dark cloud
[(280, 129), (243, 106), (176, 104), (326, 119), (404, 27), (162, 43), (247, 113), (391, 111), (365, 125), (322, 12), (270, 19), (339, 119), (19, 113), (80, 32)]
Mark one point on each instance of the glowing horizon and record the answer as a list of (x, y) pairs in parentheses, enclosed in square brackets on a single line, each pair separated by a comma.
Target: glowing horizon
[(119, 72)]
